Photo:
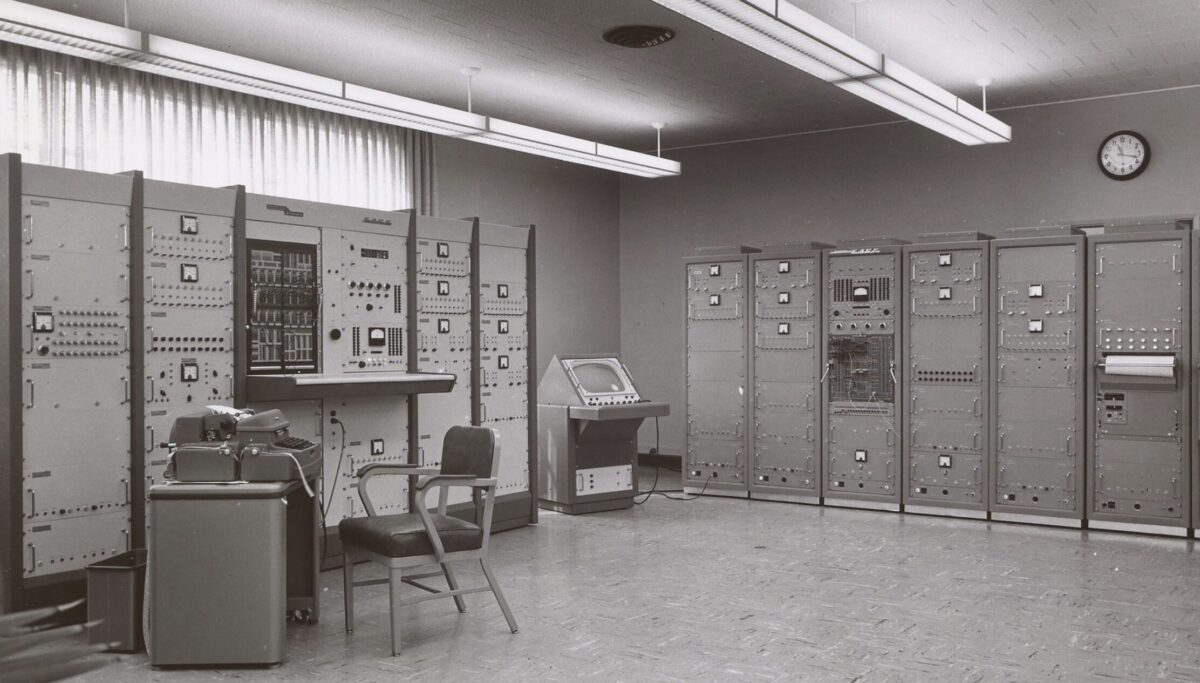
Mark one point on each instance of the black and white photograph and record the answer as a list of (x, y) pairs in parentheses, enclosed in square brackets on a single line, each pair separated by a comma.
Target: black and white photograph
[(832, 341)]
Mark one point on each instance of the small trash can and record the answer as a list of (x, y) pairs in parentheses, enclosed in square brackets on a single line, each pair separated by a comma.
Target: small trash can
[(115, 590)]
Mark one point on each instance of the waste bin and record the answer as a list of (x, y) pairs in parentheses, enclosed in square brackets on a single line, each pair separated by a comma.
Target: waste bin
[(114, 596)]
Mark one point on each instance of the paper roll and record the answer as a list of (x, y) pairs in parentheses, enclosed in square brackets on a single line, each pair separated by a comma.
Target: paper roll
[(1140, 366)]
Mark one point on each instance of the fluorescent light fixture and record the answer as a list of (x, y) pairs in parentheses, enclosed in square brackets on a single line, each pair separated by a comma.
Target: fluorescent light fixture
[(206, 59), (457, 119), (68, 34), (521, 138), (781, 30), (28, 19)]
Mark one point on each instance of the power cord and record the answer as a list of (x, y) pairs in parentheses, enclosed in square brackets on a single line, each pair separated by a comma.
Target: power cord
[(328, 500), (654, 487)]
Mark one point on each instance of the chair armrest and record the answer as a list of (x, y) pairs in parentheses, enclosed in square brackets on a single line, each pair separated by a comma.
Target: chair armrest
[(454, 480), (444, 481), (365, 473), (396, 468)]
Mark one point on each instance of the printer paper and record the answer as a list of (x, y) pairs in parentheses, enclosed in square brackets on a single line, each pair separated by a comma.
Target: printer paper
[(1140, 366)]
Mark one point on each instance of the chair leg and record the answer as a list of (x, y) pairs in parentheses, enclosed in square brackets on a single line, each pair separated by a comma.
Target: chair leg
[(495, 586), (453, 583), (395, 580), (348, 588)]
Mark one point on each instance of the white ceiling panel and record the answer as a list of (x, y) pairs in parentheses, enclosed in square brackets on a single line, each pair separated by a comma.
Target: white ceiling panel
[(545, 64)]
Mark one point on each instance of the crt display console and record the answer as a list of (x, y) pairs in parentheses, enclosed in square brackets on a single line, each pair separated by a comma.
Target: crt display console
[(589, 413)]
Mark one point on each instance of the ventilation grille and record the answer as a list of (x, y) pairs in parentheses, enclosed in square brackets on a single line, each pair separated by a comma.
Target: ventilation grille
[(881, 288), (841, 288), (638, 36)]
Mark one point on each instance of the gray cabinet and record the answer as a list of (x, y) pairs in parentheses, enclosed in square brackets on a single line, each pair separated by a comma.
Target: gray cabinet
[(1140, 355), (1037, 462), (946, 363), (785, 366), (861, 378), (717, 373)]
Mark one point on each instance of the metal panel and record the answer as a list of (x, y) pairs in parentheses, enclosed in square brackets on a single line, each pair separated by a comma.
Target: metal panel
[(369, 429), (504, 372), (11, 451), (946, 363), (443, 332), (862, 380), (75, 368), (785, 367), (1037, 461), (188, 340), (1141, 468), (362, 325), (364, 319), (364, 291), (716, 374)]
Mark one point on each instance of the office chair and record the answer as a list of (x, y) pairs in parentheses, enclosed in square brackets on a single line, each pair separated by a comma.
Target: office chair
[(406, 542)]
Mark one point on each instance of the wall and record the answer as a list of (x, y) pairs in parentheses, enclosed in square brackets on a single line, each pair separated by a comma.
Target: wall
[(576, 212), (898, 180)]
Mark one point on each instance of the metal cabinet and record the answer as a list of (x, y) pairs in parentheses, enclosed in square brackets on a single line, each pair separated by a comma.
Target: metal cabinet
[(785, 366), (717, 372), (861, 379), (946, 363), (1140, 411), (1038, 340)]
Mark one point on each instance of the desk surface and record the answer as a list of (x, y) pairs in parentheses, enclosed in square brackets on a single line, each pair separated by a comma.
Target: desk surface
[(322, 385), (231, 489)]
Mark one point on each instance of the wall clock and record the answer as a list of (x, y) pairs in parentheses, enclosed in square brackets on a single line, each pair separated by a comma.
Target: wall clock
[(1123, 155)]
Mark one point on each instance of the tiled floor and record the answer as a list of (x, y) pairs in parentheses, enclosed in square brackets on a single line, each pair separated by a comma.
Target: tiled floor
[(721, 589)]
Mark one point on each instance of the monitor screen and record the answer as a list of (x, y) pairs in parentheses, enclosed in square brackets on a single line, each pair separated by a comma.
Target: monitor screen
[(601, 381), (599, 378)]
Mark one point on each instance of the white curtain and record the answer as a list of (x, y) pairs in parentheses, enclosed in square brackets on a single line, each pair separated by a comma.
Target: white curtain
[(65, 111)]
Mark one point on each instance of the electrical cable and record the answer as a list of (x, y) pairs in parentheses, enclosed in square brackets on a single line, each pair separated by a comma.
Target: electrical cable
[(304, 480), (664, 493), (329, 499)]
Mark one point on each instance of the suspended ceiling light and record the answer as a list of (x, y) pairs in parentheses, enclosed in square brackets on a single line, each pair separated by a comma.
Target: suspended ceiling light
[(68, 34), (779, 29)]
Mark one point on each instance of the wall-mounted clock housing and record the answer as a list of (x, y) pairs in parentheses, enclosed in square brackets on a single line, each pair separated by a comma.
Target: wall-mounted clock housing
[(1124, 155)]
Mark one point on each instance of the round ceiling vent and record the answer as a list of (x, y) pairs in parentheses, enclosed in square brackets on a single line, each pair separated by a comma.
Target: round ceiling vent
[(638, 36)]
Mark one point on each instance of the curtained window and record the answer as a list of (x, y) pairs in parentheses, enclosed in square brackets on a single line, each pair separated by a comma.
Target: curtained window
[(65, 111)]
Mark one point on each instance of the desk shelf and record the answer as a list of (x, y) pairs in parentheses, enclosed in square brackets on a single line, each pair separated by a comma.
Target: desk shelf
[(261, 388)]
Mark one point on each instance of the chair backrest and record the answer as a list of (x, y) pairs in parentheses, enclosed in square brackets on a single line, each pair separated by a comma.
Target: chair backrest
[(470, 450)]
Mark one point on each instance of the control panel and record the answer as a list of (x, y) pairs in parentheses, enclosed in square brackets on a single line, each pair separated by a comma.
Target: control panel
[(75, 294), (862, 444), (357, 432), (364, 308), (188, 311), (443, 331), (786, 367), (946, 341), (284, 296), (1038, 406), (594, 480), (717, 368), (504, 372), (1141, 387)]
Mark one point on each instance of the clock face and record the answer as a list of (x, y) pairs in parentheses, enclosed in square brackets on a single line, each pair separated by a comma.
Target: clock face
[(1124, 155)]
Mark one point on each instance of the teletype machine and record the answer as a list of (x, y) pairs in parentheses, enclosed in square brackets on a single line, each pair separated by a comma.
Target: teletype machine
[(589, 413), (239, 446)]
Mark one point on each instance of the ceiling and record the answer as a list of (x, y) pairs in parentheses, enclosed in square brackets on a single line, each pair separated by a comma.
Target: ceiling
[(544, 63)]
